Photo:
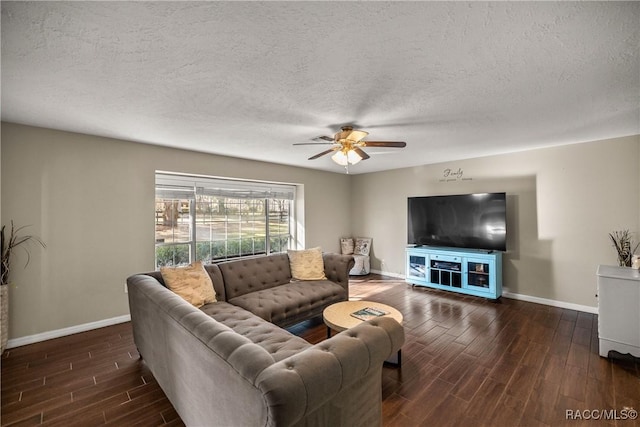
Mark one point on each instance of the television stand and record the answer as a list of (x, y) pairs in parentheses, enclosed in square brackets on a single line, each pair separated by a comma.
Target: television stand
[(466, 271)]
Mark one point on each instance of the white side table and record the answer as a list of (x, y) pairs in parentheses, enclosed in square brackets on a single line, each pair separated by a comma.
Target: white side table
[(618, 310)]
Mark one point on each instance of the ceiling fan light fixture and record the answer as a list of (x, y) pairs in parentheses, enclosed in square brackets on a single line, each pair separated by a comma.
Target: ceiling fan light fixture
[(350, 157), (340, 158), (353, 157)]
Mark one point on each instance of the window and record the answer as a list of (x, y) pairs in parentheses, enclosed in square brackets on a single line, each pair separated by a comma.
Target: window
[(212, 219)]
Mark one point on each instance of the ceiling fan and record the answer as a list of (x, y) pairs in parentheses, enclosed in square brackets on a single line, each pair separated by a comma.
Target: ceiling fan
[(347, 145)]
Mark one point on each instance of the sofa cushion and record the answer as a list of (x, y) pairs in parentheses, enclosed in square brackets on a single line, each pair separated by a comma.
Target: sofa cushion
[(192, 283), (307, 264), (288, 304), (276, 341)]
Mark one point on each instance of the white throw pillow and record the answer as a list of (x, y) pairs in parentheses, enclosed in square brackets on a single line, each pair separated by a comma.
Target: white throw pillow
[(346, 246), (363, 246)]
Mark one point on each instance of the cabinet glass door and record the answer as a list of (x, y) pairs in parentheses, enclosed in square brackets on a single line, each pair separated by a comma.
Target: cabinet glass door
[(417, 267), (478, 274)]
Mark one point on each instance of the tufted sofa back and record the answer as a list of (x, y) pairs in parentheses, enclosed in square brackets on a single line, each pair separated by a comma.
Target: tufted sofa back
[(240, 276), (245, 275)]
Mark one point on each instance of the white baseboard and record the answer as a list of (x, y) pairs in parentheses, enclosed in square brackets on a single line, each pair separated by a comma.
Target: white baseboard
[(551, 302), (528, 298), (31, 339), (386, 273)]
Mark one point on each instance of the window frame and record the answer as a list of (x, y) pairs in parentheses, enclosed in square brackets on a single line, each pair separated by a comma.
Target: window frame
[(187, 187)]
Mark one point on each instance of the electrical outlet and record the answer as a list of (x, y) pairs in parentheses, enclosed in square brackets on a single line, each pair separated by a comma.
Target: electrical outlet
[(126, 290)]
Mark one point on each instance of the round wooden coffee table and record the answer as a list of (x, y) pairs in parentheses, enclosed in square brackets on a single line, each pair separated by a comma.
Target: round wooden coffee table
[(338, 316)]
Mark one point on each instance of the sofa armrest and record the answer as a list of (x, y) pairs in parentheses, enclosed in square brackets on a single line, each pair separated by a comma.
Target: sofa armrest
[(333, 380), (204, 367), (337, 267)]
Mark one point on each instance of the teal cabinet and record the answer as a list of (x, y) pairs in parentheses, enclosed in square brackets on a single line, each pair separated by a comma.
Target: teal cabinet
[(466, 271)]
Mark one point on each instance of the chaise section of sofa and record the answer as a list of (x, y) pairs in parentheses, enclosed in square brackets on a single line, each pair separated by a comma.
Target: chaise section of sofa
[(337, 382)]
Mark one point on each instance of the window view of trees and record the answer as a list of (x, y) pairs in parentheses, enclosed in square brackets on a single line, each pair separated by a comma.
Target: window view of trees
[(212, 228)]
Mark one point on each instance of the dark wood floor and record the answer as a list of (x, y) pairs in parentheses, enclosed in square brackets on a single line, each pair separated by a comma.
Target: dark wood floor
[(466, 361)]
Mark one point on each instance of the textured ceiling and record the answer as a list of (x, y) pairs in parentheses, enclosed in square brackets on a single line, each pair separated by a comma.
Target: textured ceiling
[(248, 79)]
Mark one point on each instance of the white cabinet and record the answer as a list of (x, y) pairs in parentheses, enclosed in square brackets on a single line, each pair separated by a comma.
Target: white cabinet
[(618, 310)]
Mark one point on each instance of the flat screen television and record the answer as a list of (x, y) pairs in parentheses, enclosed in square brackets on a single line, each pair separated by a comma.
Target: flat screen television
[(472, 221)]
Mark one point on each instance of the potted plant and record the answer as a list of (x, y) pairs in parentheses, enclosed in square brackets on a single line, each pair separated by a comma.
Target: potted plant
[(8, 244), (623, 242)]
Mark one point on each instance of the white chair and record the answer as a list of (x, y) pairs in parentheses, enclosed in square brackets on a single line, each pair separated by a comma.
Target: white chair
[(359, 248)]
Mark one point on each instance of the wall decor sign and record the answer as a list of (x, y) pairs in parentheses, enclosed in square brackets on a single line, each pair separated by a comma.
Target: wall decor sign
[(452, 175)]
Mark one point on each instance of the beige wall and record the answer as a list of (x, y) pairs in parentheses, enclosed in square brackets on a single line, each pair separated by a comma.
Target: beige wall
[(562, 203), (91, 200)]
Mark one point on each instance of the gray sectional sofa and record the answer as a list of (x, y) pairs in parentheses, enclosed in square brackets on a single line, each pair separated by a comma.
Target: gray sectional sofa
[(230, 363)]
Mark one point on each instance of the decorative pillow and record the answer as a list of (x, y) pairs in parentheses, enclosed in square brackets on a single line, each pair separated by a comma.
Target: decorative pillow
[(363, 246), (346, 246), (192, 283), (307, 264)]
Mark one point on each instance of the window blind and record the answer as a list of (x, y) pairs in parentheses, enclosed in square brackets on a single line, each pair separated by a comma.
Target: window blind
[(178, 186)]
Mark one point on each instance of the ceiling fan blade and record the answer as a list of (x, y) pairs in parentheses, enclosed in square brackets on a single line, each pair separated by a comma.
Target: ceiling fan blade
[(326, 138), (350, 134), (396, 144), (313, 143), (361, 153), (322, 154)]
